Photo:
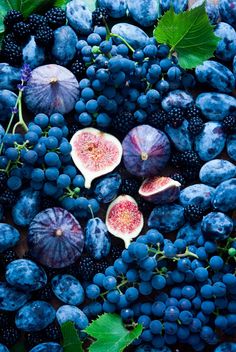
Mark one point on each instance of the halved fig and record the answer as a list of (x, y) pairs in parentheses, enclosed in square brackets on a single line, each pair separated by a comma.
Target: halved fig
[(95, 153), (160, 190), (124, 219)]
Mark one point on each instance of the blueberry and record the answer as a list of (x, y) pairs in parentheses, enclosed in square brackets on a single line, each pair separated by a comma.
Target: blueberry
[(26, 207), (7, 102), (197, 194), (216, 106), (145, 12), (190, 233), (217, 226), (107, 188), (116, 9), (97, 239), (216, 171), (231, 146), (9, 76), (9, 236), (225, 196), (68, 289), (176, 99), (166, 218), (12, 299), (134, 35), (79, 16), (64, 47), (71, 313), (47, 347), (33, 54), (226, 48), (180, 137)]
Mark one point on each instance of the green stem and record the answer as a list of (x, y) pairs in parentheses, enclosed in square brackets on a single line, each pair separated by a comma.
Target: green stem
[(123, 40), (21, 121)]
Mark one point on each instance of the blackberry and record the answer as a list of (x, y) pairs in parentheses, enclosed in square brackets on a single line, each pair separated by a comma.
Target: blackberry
[(158, 119), (44, 36), (78, 68), (100, 266), (100, 16), (36, 21), (86, 268), (8, 198), (9, 335), (8, 256), (52, 272), (144, 206), (33, 338), (115, 252), (124, 122), (73, 128), (229, 123), (178, 177), (21, 30), (56, 17), (130, 186), (176, 117), (191, 173), (12, 53), (3, 180), (188, 159), (12, 17), (192, 112), (52, 332), (193, 213), (9, 38), (45, 293), (5, 320), (47, 202), (195, 125)]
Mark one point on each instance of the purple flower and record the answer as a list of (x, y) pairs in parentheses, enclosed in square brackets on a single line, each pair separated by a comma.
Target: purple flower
[(25, 72), (20, 87), (14, 110)]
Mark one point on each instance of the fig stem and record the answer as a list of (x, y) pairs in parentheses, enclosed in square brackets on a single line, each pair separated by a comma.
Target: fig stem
[(144, 156), (123, 40)]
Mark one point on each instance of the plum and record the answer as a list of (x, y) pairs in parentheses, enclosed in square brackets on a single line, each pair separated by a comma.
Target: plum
[(9, 236), (167, 218), (64, 47), (216, 75), (177, 99), (134, 35), (226, 48), (47, 347), (227, 10), (197, 194), (212, 9), (97, 239), (7, 102), (216, 106), (116, 9), (225, 196), (55, 238), (12, 299), (79, 16), (217, 225), (231, 146), (33, 54), (190, 233), (180, 137), (216, 171), (71, 313), (107, 188), (9, 76), (211, 141), (178, 5), (3, 348), (35, 316), (26, 207), (25, 275), (226, 347), (68, 289), (145, 12)]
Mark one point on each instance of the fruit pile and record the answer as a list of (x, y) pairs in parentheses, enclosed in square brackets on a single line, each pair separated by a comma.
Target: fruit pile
[(118, 175)]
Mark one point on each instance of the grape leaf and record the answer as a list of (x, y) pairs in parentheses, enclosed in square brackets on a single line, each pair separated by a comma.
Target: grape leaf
[(19, 347), (189, 34), (71, 340), (110, 334), (61, 3)]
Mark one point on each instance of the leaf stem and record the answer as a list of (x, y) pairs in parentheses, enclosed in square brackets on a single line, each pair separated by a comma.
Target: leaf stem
[(123, 40)]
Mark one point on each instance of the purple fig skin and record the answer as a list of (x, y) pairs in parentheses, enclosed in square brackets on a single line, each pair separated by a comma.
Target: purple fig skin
[(164, 196), (146, 151), (55, 238), (51, 88)]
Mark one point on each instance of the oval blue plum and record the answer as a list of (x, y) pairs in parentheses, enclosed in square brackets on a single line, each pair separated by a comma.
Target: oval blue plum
[(144, 12), (33, 54), (7, 102), (167, 218), (197, 194), (180, 137), (216, 171), (26, 207), (225, 196), (217, 226), (107, 189), (9, 236), (116, 9), (68, 289), (12, 299), (79, 16), (216, 106), (71, 313), (190, 233), (9, 76), (177, 99), (47, 347), (134, 35), (231, 146), (226, 48), (64, 47), (97, 239)]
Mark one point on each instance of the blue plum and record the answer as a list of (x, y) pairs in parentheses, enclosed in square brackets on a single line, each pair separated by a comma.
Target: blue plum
[(35, 316), (190, 233), (216, 106), (97, 239), (216, 75), (180, 137), (211, 141), (197, 194), (9, 236), (116, 9), (7, 102), (33, 54), (167, 218), (79, 16), (12, 299), (71, 313), (178, 5), (216, 171), (25, 275), (9, 76), (225, 196), (134, 35), (64, 47), (47, 347), (231, 146), (234, 66), (68, 289), (3, 348), (177, 99), (226, 48), (226, 347), (212, 9), (217, 226), (26, 207), (228, 11), (145, 12), (107, 188)]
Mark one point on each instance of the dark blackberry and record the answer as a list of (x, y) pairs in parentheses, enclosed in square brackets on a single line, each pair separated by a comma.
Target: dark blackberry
[(178, 177), (47, 202), (33, 338), (56, 17), (21, 31), (129, 186), (5, 320), (45, 293), (144, 206), (12, 17), (195, 125), (100, 266), (124, 122), (100, 16), (115, 252), (44, 36), (158, 119), (73, 128), (86, 268), (9, 38), (52, 332), (193, 213), (78, 68), (9, 335), (8, 198), (191, 173), (192, 112), (188, 159), (36, 21), (8, 256), (229, 123), (3, 180), (12, 53), (175, 117), (52, 272)]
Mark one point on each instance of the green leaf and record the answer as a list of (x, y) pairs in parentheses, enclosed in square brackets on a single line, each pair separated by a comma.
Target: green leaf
[(71, 340), (189, 34), (19, 347), (61, 3), (110, 334)]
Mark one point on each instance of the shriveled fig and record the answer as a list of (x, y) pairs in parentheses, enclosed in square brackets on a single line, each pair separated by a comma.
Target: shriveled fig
[(146, 151), (55, 238), (124, 219), (51, 88), (95, 153), (160, 190)]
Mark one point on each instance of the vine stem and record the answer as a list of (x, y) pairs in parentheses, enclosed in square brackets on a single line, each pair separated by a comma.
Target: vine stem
[(123, 40), (21, 121)]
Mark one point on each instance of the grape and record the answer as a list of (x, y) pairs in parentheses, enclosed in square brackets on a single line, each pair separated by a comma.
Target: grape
[(158, 282), (185, 317), (109, 282), (63, 181), (201, 274), (113, 296), (14, 183), (171, 313), (52, 173), (207, 307), (11, 153), (92, 291)]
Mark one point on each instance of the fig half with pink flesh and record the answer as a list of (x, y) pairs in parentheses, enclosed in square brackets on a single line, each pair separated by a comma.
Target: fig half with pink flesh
[(124, 219), (160, 190), (95, 153)]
